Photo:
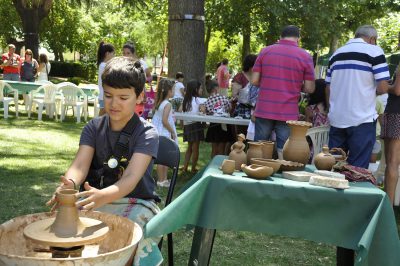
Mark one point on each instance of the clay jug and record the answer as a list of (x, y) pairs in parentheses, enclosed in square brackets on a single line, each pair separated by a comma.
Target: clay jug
[(324, 160), (228, 167), (296, 147), (254, 151), (267, 149), (237, 154)]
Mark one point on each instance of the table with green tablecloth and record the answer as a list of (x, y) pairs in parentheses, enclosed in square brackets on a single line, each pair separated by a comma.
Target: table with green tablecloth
[(359, 218), (24, 87)]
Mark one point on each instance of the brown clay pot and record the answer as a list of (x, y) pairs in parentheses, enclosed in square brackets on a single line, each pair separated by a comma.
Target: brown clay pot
[(254, 151), (237, 154), (257, 171), (267, 149), (228, 167), (296, 148), (324, 160)]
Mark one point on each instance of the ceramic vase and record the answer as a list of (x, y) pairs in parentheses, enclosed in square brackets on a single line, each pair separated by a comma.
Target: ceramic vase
[(254, 151), (237, 154), (228, 167), (267, 149), (296, 147), (324, 160)]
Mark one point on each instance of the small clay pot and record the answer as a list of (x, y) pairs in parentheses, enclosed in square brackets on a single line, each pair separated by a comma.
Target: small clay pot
[(324, 160), (254, 151), (257, 171), (267, 149), (228, 166)]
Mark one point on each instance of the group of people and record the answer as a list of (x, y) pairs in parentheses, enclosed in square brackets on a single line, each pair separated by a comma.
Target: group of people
[(26, 69), (114, 162)]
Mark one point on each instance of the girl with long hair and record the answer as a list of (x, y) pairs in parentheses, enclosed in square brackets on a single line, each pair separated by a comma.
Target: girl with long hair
[(193, 132), (164, 122), (105, 52)]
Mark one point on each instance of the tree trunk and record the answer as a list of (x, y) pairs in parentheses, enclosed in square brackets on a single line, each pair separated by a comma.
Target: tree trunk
[(207, 41), (31, 15), (186, 48), (334, 44), (246, 42)]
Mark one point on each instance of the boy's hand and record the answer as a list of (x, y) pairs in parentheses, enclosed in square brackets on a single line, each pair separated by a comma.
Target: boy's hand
[(92, 198), (65, 184)]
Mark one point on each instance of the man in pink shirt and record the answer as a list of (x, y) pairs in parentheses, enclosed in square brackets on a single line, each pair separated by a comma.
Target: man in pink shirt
[(223, 77), (281, 71)]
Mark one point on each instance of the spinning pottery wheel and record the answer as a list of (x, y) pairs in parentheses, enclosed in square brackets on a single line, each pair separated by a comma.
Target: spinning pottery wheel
[(67, 233), (68, 237)]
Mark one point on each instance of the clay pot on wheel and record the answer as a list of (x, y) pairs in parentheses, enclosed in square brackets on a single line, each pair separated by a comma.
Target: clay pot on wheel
[(324, 160), (254, 151), (296, 148)]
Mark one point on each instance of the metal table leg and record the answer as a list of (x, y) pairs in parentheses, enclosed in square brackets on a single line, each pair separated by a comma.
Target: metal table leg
[(202, 245)]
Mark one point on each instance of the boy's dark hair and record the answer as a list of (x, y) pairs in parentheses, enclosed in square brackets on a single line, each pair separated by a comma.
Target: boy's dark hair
[(248, 62), (212, 85), (179, 75), (290, 31), (129, 46), (225, 61), (123, 72), (319, 94), (192, 90)]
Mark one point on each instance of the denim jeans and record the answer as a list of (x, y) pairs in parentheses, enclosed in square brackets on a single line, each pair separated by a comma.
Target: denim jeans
[(264, 127), (358, 140), (13, 77)]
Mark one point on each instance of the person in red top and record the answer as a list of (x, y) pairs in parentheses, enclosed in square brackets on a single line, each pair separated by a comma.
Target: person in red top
[(11, 62), (281, 71), (223, 77)]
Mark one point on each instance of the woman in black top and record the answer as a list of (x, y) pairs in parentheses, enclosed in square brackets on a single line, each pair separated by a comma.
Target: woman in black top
[(391, 134)]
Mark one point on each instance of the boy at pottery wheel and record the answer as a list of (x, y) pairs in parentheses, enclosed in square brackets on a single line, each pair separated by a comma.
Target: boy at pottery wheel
[(114, 161)]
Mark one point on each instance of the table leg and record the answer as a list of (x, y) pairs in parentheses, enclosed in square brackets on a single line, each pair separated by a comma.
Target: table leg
[(344, 257), (202, 245)]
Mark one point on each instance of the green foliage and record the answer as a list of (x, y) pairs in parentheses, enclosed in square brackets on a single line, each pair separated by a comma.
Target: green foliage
[(393, 61), (10, 23), (75, 80), (388, 30), (87, 71)]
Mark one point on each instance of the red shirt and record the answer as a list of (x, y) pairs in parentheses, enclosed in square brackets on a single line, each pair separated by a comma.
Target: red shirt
[(11, 69), (283, 67)]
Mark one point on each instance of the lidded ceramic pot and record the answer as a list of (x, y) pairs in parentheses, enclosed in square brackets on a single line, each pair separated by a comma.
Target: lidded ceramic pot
[(324, 160)]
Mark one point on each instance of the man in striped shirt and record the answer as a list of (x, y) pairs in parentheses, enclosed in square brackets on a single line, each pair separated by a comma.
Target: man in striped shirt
[(280, 71), (357, 72)]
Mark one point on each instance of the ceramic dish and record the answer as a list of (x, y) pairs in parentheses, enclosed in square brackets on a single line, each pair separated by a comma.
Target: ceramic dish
[(290, 166)]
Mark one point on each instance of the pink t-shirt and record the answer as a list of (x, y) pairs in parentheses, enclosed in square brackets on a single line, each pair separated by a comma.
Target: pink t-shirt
[(223, 82), (283, 67)]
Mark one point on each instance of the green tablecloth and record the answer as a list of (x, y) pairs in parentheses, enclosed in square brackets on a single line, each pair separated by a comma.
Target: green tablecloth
[(24, 87), (359, 218)]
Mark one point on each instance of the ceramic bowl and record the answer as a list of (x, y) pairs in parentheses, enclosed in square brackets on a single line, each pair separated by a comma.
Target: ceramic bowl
[(267, 162), (257, 171)]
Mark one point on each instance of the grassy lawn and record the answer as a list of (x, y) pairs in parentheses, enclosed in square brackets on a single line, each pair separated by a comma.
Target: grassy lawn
[(35, 153)]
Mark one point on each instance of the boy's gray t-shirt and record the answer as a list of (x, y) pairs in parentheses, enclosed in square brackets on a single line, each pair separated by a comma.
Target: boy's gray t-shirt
[(144, 140)]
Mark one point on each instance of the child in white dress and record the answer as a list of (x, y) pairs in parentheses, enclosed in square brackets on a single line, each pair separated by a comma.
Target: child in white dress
[(164, 122)]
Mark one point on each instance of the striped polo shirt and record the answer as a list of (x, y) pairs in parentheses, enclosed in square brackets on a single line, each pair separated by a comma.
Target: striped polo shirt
[(283, 67), (353, 72)]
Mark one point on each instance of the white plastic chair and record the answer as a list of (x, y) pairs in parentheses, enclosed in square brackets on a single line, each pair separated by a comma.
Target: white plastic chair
[(44, 96), (94, 98), (73, 96), (319, 137), (7, 100)]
